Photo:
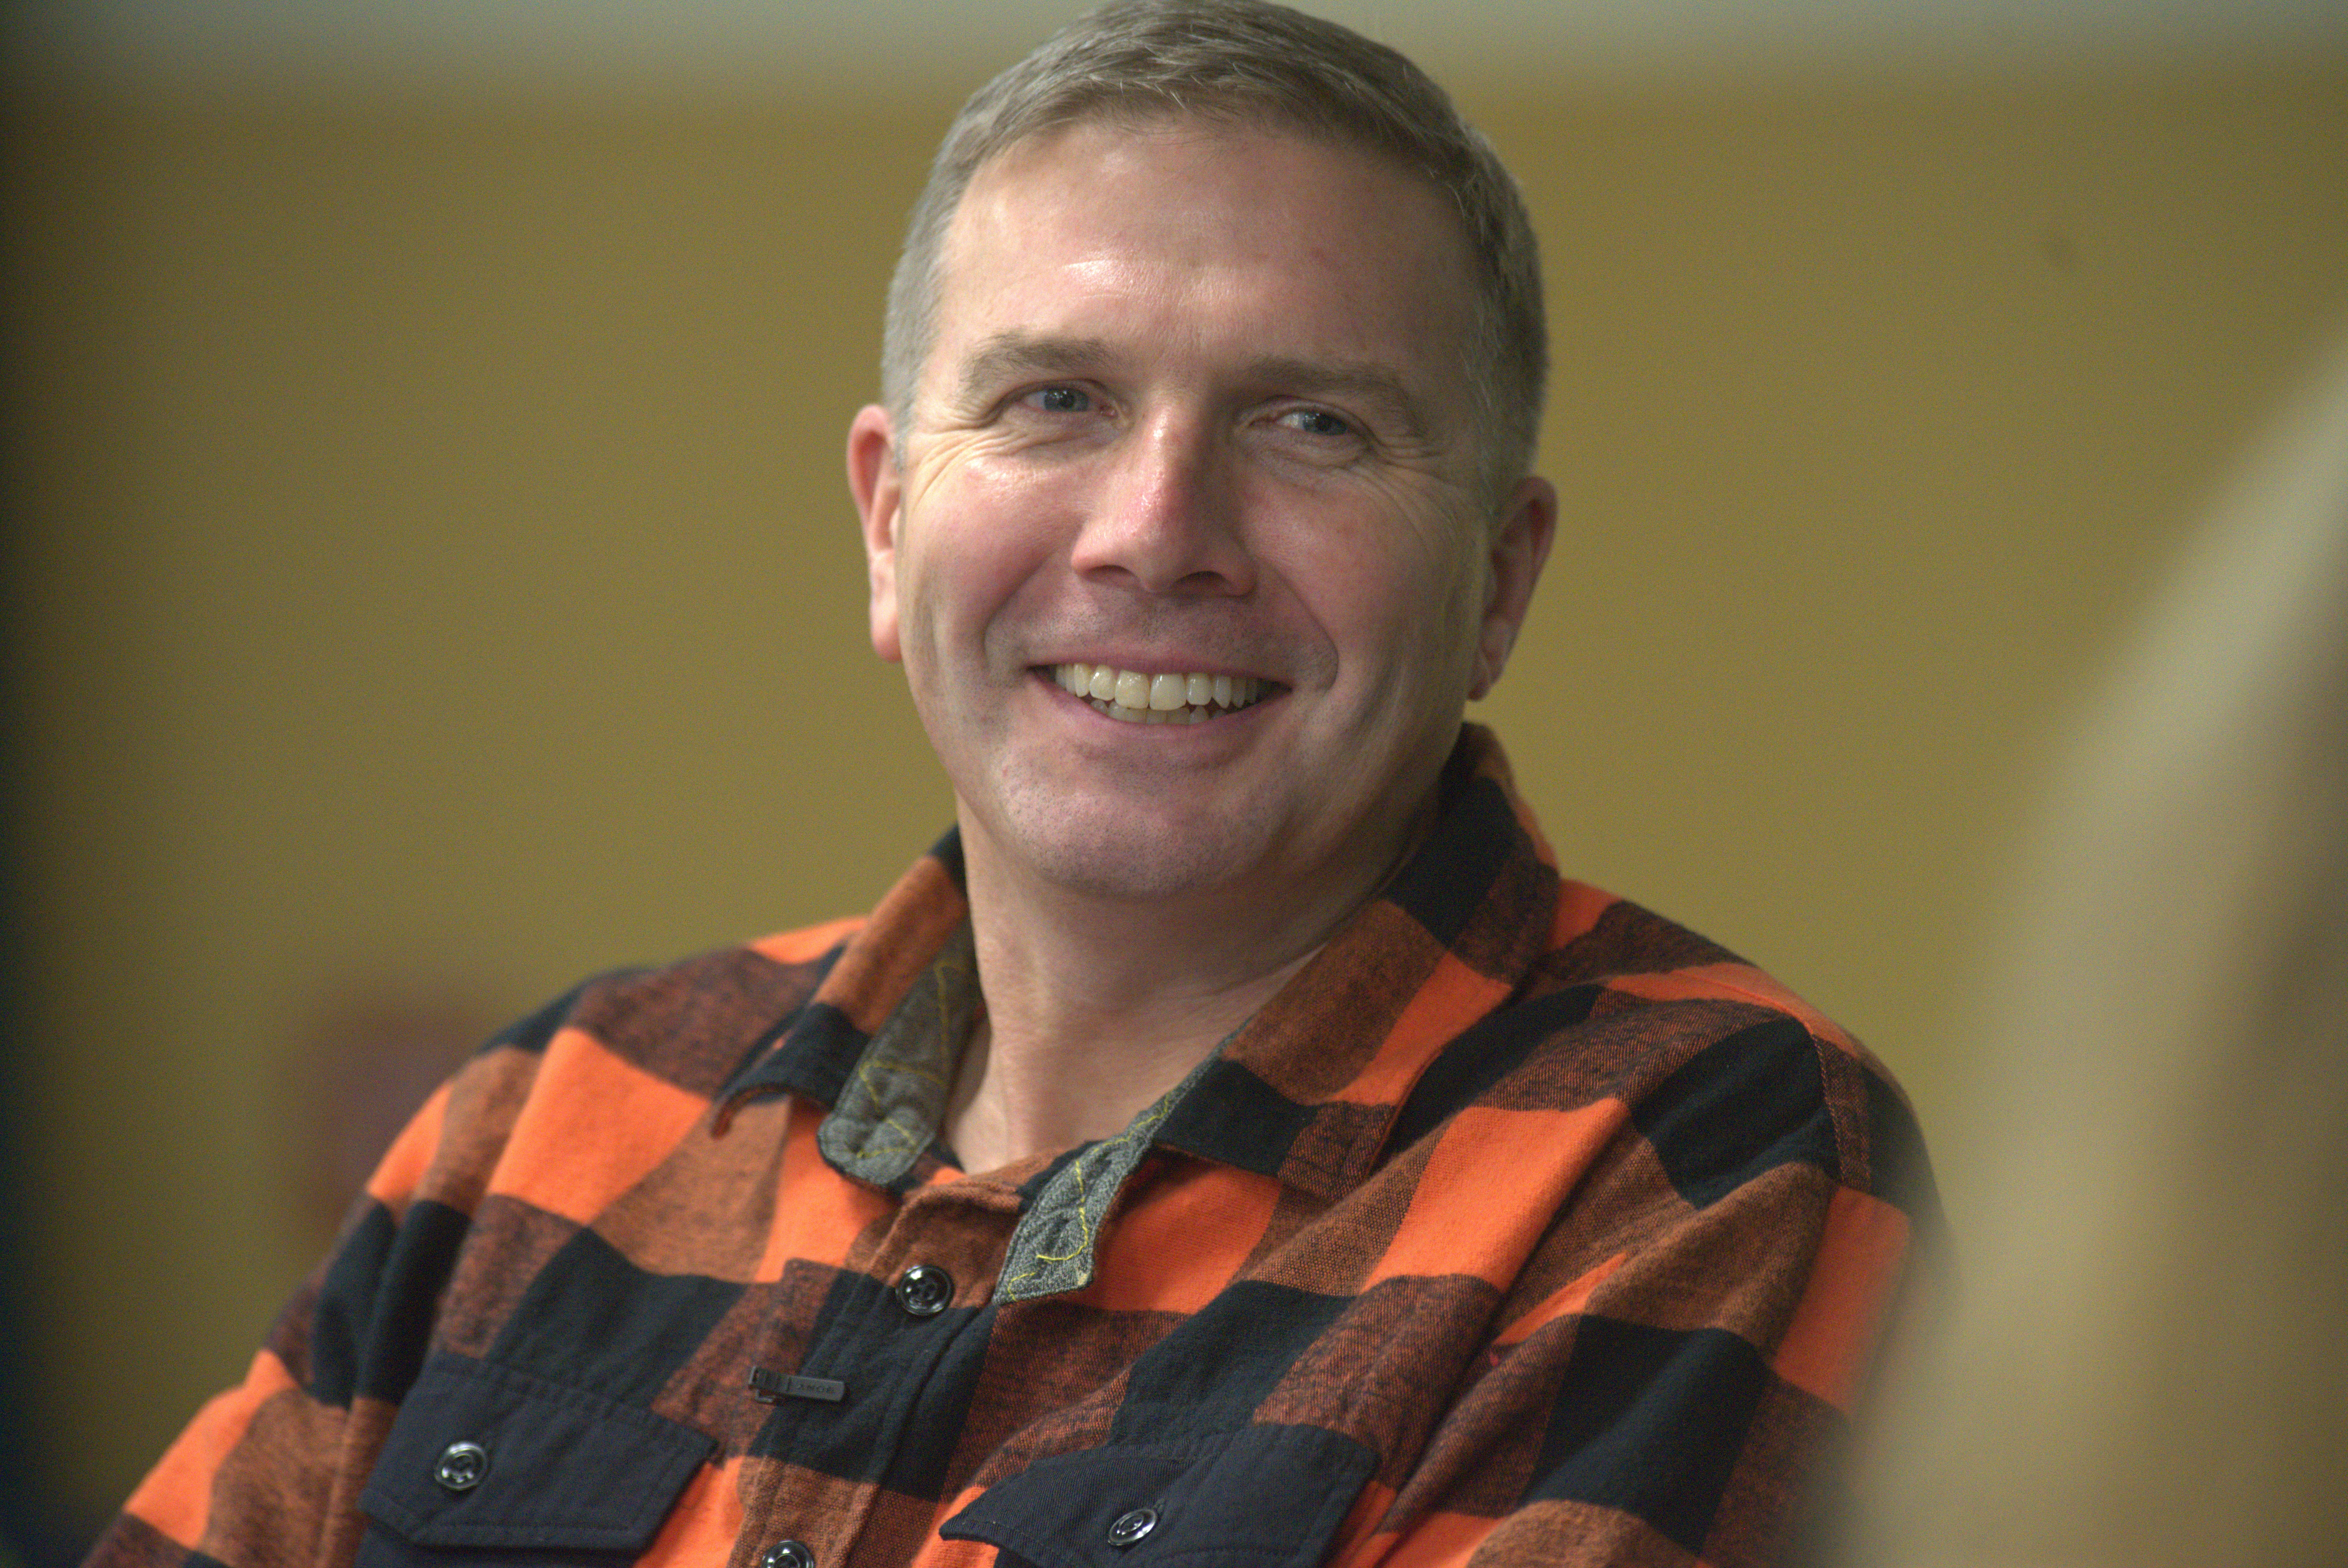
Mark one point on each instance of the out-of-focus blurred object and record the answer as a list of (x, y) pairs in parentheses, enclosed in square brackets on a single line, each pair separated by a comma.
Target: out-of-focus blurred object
[(2147, 1365)]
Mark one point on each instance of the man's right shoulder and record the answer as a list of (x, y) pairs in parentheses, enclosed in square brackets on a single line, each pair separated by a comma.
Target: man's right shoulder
[(602, 1063), (687, 1023)]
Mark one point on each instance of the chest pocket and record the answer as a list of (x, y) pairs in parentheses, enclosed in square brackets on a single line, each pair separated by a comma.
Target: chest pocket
[(1258, 1498), (487, 1466)]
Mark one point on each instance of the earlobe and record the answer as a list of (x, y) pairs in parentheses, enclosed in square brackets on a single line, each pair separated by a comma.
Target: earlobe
[(873, 481), (1518, 551)]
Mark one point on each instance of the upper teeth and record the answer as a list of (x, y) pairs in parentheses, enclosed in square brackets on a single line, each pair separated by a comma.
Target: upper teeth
[(1130, 694)]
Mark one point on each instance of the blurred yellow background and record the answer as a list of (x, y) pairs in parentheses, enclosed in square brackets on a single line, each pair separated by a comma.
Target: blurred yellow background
[(435, 580)]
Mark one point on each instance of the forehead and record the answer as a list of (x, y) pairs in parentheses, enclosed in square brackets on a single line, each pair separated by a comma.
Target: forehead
[(1297, 244)]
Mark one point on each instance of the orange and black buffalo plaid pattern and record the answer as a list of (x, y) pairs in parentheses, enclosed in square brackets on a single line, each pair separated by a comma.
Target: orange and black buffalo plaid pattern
[(1522, 1227)]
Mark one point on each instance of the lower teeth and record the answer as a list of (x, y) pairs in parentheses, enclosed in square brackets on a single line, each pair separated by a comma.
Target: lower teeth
[(1155, 715)]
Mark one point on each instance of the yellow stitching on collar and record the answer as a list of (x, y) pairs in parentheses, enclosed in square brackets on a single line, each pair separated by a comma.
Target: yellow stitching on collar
[(907, 1138), (1083, 1220)]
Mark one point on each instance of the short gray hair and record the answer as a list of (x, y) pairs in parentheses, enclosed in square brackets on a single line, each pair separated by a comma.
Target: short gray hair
[(1254, 64)]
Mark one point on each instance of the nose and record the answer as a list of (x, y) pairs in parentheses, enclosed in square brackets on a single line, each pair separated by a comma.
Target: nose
[(1166, 517)]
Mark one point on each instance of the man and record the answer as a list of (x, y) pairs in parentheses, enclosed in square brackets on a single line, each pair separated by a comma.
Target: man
[(1234, 1143)]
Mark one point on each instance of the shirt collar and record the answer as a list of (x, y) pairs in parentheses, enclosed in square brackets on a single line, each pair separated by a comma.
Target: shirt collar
[(1305, 1091)]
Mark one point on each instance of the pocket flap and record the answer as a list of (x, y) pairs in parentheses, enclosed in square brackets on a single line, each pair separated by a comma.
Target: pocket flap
[(480, 1456), (1261, 1496)]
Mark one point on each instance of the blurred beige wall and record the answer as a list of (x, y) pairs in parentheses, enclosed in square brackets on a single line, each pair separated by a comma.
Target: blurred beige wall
[(440, 584)]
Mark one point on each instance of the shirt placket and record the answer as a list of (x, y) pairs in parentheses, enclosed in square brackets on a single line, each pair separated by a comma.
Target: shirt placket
[(888, 1363)]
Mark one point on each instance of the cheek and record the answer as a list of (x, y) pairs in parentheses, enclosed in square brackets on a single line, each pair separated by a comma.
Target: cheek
[(1405, 610), (979, 541)]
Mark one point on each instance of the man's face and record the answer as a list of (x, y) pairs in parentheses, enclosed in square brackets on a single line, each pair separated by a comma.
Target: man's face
[(1196, 408)]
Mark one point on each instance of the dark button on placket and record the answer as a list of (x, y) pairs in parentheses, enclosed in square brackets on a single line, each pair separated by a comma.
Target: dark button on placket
[(924, 1290), (1131, 1527), (461, 1465), (787, 1554)]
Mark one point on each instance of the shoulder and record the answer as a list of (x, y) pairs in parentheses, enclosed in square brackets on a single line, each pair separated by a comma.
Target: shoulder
[(601, 1065), (689, 1024), (1721, 1069)]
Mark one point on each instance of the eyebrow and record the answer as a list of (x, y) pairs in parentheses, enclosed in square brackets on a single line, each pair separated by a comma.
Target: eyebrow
[(1014, 354)]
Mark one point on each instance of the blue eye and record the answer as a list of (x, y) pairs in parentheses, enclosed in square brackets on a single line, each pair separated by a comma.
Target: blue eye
[(1060, 400), (1317, 422)]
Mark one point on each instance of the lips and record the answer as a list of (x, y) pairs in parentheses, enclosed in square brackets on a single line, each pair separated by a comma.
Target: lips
[(1138, 697)]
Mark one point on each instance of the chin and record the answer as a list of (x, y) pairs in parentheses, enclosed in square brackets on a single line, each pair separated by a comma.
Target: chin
[(1111, 853)]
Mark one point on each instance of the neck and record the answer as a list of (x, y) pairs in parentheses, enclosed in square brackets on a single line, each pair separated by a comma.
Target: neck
[(1098, 1005)]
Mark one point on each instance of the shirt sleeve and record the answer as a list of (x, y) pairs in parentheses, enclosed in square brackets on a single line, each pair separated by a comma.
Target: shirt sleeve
[(1682, 1354)]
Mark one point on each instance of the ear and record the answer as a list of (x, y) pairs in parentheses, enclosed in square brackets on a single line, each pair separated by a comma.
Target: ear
[(873, 479), (1519, 549)]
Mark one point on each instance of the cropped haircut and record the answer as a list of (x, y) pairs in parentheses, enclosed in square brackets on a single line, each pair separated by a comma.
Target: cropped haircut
[(1255, 66)]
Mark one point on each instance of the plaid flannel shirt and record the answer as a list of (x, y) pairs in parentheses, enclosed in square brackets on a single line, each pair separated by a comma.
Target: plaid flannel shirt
[(1521, 1227)]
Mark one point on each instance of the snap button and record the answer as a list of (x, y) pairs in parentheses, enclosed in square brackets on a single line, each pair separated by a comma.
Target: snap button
[(924, 1289), (787, 1554), (1131, 1527), (461, 1465)]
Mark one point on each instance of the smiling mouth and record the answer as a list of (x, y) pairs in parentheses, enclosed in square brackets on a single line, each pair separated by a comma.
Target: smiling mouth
[(1138, 698)]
